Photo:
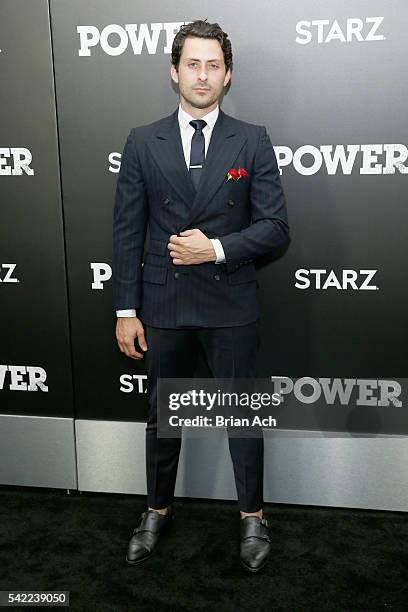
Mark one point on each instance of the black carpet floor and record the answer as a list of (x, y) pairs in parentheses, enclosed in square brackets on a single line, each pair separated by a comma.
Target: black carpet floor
[(322, 558)]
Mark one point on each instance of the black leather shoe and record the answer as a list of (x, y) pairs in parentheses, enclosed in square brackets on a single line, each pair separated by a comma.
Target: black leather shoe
[(255, 543), (144, 540)]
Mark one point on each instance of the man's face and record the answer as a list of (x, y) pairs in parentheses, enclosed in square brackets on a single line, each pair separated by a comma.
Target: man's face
[(201, 66)]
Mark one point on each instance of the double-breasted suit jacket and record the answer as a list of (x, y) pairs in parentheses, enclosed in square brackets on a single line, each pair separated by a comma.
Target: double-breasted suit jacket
[(156, 197)]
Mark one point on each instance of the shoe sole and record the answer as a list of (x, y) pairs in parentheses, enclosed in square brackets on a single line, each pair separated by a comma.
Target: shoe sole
[(139, 560), (253, 570)]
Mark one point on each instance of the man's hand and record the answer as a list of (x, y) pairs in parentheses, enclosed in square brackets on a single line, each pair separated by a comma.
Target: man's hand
[(127, 329), (191, 247)]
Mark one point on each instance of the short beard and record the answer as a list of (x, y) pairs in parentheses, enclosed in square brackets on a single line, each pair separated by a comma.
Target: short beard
[(198, 104)]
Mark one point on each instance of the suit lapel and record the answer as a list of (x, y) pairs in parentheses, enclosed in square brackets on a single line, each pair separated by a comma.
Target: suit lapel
[(167, 149), (225, 145)]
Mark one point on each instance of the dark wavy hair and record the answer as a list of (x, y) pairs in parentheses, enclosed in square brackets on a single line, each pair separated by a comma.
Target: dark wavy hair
[(201, 29)]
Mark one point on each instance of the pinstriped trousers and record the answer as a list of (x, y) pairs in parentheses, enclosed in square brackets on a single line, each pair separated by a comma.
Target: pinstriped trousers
[(230, 352)]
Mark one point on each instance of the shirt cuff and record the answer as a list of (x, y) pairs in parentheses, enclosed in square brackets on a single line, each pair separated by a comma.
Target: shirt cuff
[(219, 251), (130, 312)]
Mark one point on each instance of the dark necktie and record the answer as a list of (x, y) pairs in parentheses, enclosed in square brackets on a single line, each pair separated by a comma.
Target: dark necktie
[(197, 154)]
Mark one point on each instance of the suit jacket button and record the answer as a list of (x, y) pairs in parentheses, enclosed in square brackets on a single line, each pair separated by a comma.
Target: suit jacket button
[(217, 276), (176, 274), (166, 201), (231, 202)]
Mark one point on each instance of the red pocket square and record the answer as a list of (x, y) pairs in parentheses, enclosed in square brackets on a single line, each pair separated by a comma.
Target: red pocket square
[(236, 173)]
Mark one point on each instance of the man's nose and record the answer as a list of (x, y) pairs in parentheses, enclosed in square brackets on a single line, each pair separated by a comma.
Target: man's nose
[(203, 76)]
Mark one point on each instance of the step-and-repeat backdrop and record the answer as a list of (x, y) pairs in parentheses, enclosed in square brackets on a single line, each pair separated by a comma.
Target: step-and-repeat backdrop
[(35, 361), (326, 79)]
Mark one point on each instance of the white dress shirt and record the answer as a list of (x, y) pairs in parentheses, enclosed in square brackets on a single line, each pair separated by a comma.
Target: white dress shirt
[(186, 133)]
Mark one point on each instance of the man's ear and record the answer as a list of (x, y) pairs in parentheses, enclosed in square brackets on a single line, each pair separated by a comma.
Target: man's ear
[(227, 77), (174, 73)]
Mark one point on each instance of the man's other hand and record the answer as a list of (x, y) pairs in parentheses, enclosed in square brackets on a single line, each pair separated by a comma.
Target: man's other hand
[(127, 329), (191, 247)]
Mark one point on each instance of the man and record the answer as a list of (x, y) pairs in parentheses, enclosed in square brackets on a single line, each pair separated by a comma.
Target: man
[(208, 187)]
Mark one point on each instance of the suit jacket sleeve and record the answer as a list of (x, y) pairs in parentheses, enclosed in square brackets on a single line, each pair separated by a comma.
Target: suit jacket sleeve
[(269, 221), (129, 229)]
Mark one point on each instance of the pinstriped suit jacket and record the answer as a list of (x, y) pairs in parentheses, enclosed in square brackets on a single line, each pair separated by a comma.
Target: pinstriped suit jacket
[(155, 197)]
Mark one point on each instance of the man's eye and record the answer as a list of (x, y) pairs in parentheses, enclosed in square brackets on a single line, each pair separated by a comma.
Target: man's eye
[(214, 66), (193, 64)]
